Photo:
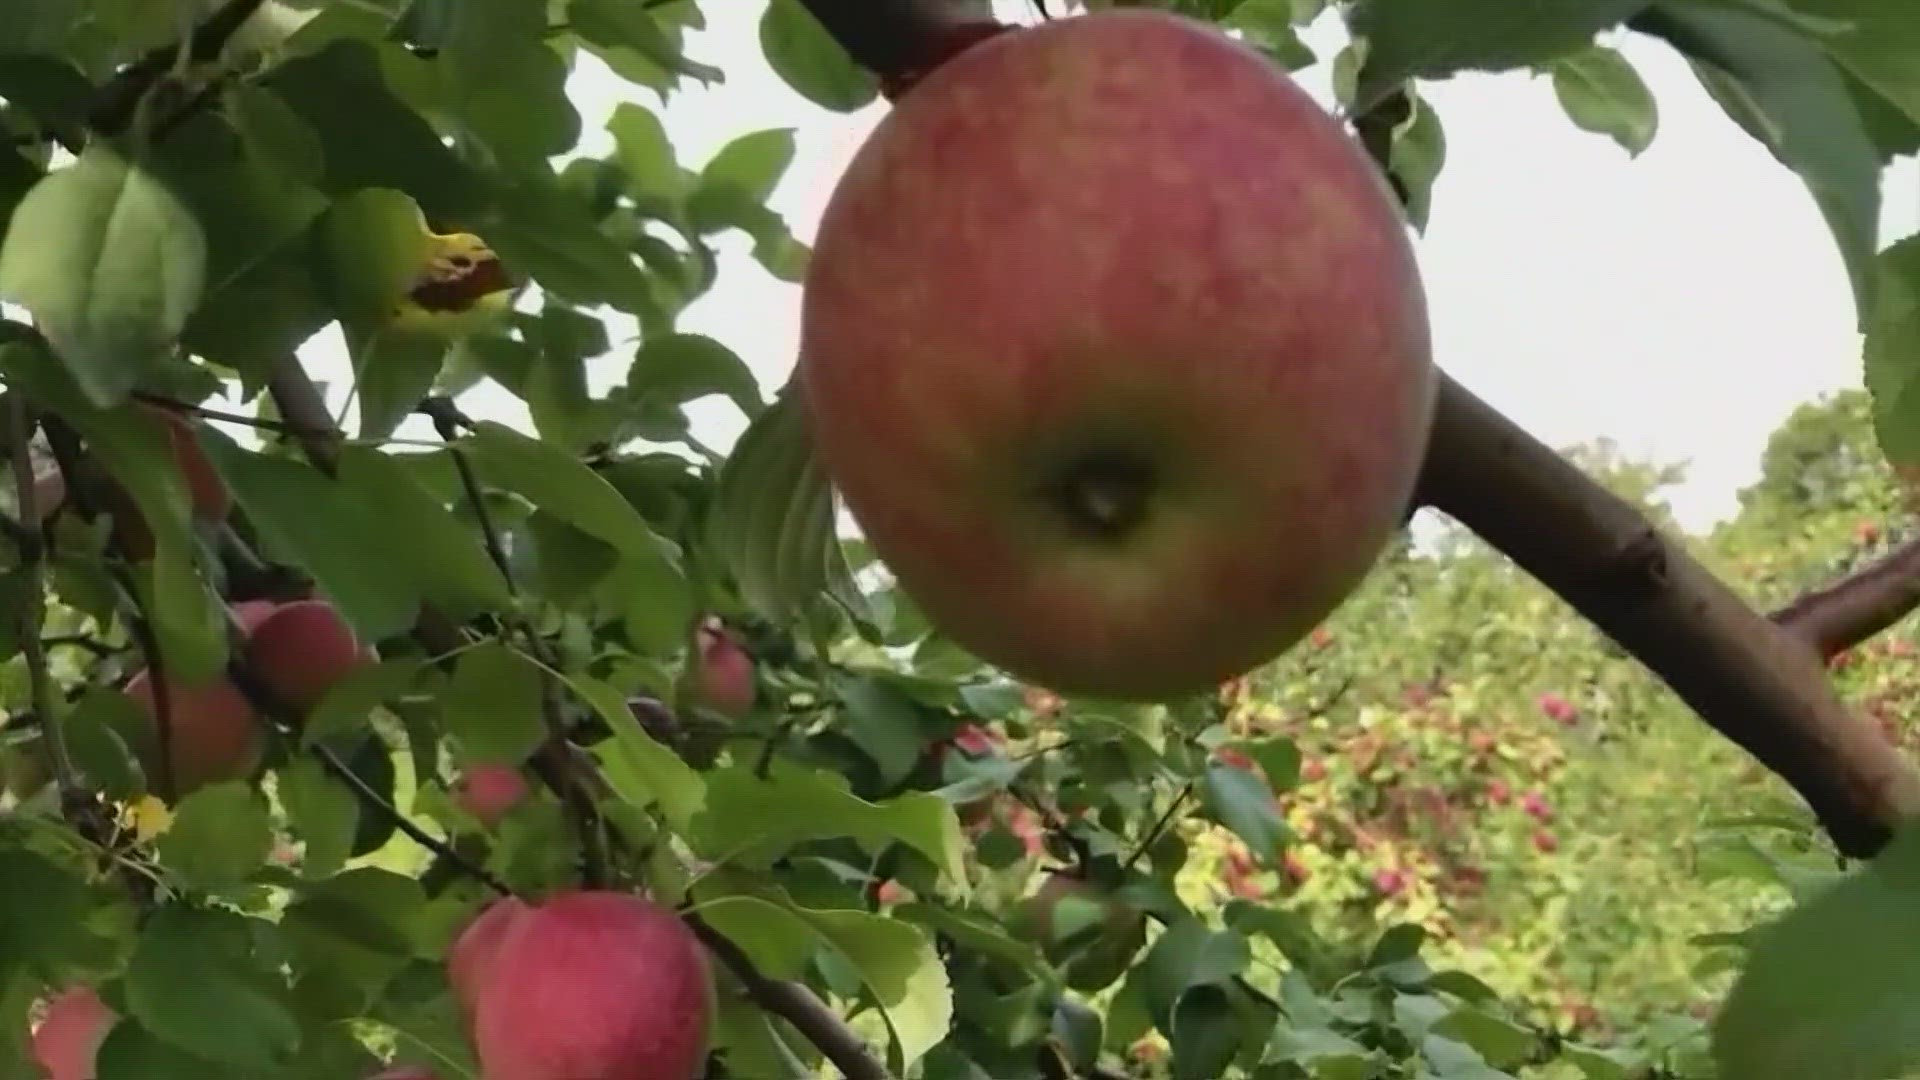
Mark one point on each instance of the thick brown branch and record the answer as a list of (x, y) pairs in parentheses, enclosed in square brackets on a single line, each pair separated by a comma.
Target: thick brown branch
[(1858, 606), (1754, 682), (797, 1005)]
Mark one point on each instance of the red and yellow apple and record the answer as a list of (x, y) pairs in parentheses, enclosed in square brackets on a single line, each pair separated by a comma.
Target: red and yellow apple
[(488, 790), (1115, 347), (720, 672)]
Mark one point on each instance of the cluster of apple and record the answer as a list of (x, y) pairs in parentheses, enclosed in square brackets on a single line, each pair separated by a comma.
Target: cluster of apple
[(297, 650), (586, 985)]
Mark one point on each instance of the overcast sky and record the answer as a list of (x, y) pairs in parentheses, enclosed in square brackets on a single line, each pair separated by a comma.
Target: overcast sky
[(1682, 302)]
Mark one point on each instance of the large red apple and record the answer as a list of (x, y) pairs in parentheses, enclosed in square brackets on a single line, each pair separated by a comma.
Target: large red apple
[(474, 948), (594, 985), (213, 733), (1114, 344), (70, 1034), (302, 649)]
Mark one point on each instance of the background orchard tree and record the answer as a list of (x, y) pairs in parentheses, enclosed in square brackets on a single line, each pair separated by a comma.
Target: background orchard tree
[(585, 753)]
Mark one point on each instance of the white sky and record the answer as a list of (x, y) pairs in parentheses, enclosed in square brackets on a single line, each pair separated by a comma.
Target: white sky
[(1681, 303)]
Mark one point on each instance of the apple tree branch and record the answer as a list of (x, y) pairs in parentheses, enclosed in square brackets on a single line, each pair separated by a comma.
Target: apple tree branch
[(1856, 607)]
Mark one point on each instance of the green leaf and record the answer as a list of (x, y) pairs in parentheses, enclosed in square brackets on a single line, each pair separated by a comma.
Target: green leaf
[(644, 151), (560, 484), (1244, 803), (50, 88), (1186, 956), (1602, 93), (277, 140), (1205, 1034), (751, 164), (1433, 39), (394, 369), (322, 811), (249, 205), (375, 241), (673, 369), (640, 770), (884, 722), (447, 559), (493, 704), (1781, 87), (372, 139), (894, 961), (1877, 41), (110, 263), (197, 981), (219, 836), (1419, 151), (803, 54), (1503, 1043), (1893, 355), (546, 233), (348, 703), (1833, 988), (351, 934), (48, 919), (313, 523), (772, 522), (754, 820)]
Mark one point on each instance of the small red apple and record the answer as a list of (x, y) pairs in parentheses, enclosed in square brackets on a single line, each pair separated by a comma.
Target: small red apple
[(1295, 869), (594, 985), (975, 740), (1866, 532), (1545, 842), (301, 650), (1389, 882), (488, 790), (1559, 709), (721, 671), (213, 733), (891, 892), (1498, 793), (251, 613), (69, 1035), (1313, 770), (1321, 637), (1535, 805)]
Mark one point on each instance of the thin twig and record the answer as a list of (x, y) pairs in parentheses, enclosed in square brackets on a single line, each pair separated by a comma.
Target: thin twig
[(279, 427), (1841, 615), (1166, 819), (84, 641), (554, 753), (797, 1005), (119, 99), (440, 848)]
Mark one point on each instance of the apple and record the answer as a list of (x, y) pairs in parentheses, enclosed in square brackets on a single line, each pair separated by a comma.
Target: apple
[(1866, 532), (1498, 793), (1535, 805), (1295, 869), (1545, 842), (1558, 709), (251, 613), (1313, 770), (473, 950), (1114, 345), (70, 1033), (300, 650), (213, 732), (594, 985), (1389, 882), (209, 493), (721, 671), (488, 791)]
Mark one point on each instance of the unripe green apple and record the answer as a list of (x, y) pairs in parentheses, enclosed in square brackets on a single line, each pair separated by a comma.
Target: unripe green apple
[(1114, 344)]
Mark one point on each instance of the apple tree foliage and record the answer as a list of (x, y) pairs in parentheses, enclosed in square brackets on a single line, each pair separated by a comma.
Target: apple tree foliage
[(1282, 892)]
